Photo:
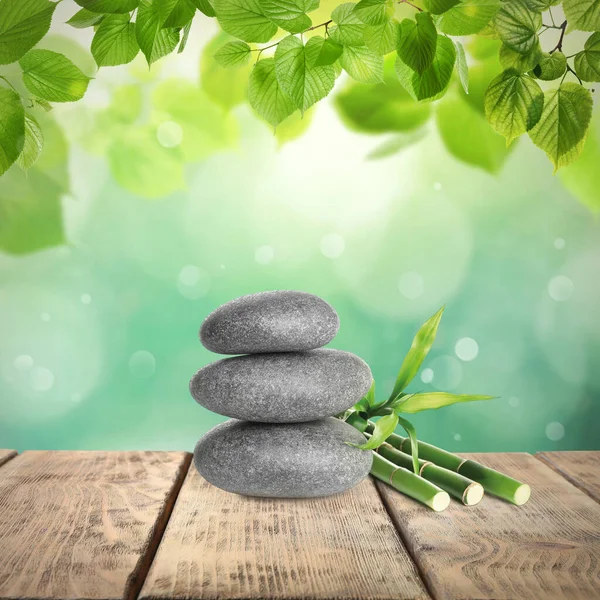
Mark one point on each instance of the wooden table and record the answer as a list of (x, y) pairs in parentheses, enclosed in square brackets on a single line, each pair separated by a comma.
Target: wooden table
[(107, 525)]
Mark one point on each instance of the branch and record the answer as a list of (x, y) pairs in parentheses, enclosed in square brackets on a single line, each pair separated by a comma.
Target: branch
[(563, 29)]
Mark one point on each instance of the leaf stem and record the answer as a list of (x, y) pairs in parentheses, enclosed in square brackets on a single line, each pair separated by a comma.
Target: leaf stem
[(10, 84), (411, 4), (563, 29)]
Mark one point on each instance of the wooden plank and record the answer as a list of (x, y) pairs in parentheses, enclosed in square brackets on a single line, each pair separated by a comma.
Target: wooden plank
[(6, 455), (580, 468), (83, 524), (547, 549), (221, 546)]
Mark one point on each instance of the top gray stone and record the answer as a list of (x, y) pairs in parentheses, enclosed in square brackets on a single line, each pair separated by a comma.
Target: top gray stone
[(279, 321)]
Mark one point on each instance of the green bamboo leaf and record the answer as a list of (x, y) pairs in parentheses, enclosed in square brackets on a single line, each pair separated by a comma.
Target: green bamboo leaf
[(513, 104), (205, 7), (419, 349), (418, 40), (374, 12), (12, 125), (517, 26), (85, 18), (434, 400), (461, 66), (245, 19), (382, 39), (414, 446), (53, 77), (433, 82), (34, 142), (437, 7), (522, 62), (23, 23), (349, 29), (562, 128), (362, 64), (177, 13), (265, 96), (587, 62), (583, 15), (114, 42), (154, 41), (303, 83), (233, 54), (384, 427), (320, 51), (371, 394), (467, 17), (287, 14), (109, 6)]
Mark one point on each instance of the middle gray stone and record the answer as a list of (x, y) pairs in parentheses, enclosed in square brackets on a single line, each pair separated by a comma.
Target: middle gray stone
[(289, 387)]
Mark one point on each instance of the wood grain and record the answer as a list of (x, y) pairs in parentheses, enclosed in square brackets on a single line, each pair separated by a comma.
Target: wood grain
[(83, 524), (224, 546), (580, 468), (6, 455), (549, 548)]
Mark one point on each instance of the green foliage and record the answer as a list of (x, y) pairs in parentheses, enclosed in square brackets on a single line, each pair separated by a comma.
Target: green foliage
[(587, 62), (33, 143), (583, 15), (12, 125), (434, 400), (462, 67), (115, 41), (467, 17), (362, 64), (517, 26), (177, 13), (265, 95), (85, 18), (418, 41), (154, 40), (245, 19), (233, 54), (109, 6)]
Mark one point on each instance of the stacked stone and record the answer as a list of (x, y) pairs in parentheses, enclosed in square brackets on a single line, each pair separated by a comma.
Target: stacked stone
[(282, 394)]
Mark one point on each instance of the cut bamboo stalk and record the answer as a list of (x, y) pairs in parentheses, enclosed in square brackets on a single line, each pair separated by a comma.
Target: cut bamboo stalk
[(409, 483)]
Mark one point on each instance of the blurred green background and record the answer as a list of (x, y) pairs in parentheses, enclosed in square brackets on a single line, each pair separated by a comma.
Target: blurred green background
[(160, 196)]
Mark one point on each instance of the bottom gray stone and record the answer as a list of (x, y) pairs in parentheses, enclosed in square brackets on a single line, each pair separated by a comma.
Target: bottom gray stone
[(283, 460)]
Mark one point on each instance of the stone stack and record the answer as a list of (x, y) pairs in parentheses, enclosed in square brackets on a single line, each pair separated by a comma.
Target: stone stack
[(282, 394)]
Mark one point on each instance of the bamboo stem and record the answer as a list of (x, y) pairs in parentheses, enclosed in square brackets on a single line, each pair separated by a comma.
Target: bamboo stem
[(409, 483)]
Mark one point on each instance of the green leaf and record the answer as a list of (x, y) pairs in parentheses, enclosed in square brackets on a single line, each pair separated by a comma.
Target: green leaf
[(418, 40), (349, 28), (522, 62), (513, 104), (293, 127), (374, 12), (381, 108), (287, 14), (461, 66), (30, 212), (583, 15), (233, 54), (245, 19), (551, 66), (362, 64), (154, 41), (265, 96), (587, 62), (582, 178), (468, 17), (177, 13), (184, 38), (23, 23), (419, 349), (468, 136), (34, 142), (53, 77), (384, 427), (397, 144), (12, 126), (434, 400), (564, 123), (320, 51), (85, 18), (540, 5), (517, 26), (437, 7), (432, 84), (303, 83), (414, 446), (382, 39), (109, 6), (205, 7), (114, 42)]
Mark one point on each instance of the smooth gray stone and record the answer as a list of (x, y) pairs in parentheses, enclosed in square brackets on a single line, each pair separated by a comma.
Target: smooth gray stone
[(280, 321), (302, 460), (283, 387)]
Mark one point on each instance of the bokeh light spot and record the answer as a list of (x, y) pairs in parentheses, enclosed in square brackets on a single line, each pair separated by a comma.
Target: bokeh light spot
[(411, 285), (42, 379), (193, 282), (448, 373), (86, 298), (142, 364), (560, 288), (24, 362), (457, 437), (264, 255), (466, 349), (559, 243), (169, 134), (45, 317), (437, 186), (427, 375), (555, 431), (514, 401), (76, 397), (332, 245)]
